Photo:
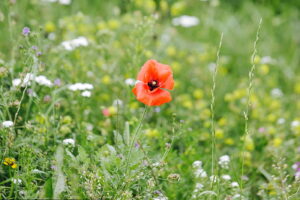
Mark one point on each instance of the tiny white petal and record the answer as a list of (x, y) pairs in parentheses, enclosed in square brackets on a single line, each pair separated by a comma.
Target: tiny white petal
[(86, 93), (69, 141), (185, 21), (7, 124)]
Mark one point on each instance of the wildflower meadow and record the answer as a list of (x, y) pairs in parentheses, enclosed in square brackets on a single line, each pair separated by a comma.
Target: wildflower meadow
[(150, 99)]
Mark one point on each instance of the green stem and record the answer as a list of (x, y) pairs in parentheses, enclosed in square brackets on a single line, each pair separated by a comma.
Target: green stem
[(135, 136)]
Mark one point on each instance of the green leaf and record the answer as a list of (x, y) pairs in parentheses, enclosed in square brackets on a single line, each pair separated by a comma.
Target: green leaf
[(59, 183), (48, 189), (127, 134)]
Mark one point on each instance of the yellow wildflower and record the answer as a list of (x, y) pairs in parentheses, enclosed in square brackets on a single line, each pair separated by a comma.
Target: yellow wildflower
[(219, 133), (151, 133), (171, 51), (297, 88), (222, 122), (106, 80), (229, 141), (264, 69), (277, 142), (198, 94), (10, 162), (50, 27)]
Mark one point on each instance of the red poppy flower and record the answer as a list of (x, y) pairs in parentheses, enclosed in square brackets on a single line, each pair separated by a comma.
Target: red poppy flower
[(154, 80)]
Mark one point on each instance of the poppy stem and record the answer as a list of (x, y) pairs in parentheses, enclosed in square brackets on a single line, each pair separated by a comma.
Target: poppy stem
[(135, 136)]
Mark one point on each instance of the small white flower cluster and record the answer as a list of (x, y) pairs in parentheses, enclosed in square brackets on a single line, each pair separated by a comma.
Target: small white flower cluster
[(29, 77), (118, 102), (234, 184), (73, 44), (69, 141), (224, 161), (130, 81), (281, 121), (16, 181), (85, 87), (267, 60), (161, 198), (199, 171), (198, 188), (226, 177), (86, 93), (295, 125), (185, 21), (7, 124), (63, 2), (42, 80), (81, 86), (276, 93), (213, 178)]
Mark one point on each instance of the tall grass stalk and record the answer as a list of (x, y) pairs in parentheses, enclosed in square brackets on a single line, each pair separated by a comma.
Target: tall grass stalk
[(212, 110), (249, 93)]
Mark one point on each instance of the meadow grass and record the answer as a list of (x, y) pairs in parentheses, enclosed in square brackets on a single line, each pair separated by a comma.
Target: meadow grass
[(71, 128)]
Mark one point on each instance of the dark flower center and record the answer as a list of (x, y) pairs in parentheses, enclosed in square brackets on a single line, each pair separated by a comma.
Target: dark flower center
[(153, 85)]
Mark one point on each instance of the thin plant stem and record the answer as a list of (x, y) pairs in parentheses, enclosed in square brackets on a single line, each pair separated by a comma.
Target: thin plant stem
[(212, 110), (249, 93), (135, 136)]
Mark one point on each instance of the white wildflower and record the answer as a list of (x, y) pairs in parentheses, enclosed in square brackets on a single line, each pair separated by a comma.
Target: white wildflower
[(199, 186), (236, 196), (197, 164), (276, 92), (42, 80), (185, 21), (7, 124), (86, 93), (65, 2), (16, 82), (234, 184), (118, 102), (226, 177), (224, 161), (49, 1), (295, 124), (69, 141), (80, 86), (281, 121), (266, 60), (213, 178), (51, 36), (27, 79), (72, 44), (17, 181), (130, 81), (160, 198), (200, 173)]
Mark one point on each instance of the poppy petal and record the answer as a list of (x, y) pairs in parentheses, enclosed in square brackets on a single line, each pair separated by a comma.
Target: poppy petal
[(156, 98), (153, 70), (148, 72)]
